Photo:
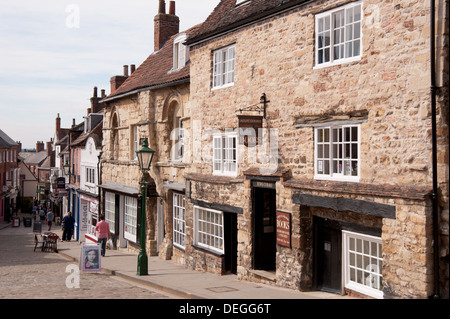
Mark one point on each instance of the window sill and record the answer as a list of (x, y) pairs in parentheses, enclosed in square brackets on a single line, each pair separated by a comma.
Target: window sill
[(354, 179), (338, 62), (222, 86), (209, 251)]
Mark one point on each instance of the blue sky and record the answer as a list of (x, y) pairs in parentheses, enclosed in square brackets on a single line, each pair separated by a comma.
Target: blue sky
[(53, 53)]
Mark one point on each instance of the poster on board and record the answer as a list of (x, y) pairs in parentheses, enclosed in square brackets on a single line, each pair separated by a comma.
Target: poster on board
[(90, 258)]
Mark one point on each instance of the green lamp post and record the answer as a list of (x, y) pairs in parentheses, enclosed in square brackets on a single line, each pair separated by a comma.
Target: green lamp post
[(145, 156)]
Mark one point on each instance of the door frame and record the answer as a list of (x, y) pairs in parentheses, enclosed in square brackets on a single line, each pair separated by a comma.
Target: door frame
[(322, 227), (258, 227)]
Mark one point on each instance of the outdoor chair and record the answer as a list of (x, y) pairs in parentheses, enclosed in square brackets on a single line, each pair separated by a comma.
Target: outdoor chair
[(37, 242)]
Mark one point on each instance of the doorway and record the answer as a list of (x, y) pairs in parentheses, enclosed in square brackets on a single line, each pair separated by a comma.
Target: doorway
[(264, 204), (230, 232), (327, 256)]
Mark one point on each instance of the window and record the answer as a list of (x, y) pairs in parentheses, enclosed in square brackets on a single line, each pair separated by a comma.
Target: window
[(90, 175), (363, 263), (208, 230), (110, 210), (225, 154), (337, 152), (238, 2), (130, 218), (338, 35), (177, 134), (179, 220), (135, 140), (223, 67), (180, 54)]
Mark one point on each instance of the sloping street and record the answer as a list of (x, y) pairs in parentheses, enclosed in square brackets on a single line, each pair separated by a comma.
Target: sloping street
[(29, 274)]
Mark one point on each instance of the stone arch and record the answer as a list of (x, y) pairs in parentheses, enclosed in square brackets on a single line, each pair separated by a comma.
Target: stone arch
[(114, 125), (172, 117)]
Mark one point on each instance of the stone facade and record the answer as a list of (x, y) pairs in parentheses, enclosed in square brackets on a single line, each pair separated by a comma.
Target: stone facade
[(389, 86)]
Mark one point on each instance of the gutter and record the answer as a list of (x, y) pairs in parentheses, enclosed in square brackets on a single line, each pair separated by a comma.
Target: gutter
[(154, 87), (434, 194), (245, 22)]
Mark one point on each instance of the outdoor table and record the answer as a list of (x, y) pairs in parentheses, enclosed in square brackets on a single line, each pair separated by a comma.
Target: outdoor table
[(50, 241)]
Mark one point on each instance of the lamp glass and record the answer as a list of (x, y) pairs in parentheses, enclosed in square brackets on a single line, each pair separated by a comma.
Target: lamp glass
[(145, 156), (66, 168)]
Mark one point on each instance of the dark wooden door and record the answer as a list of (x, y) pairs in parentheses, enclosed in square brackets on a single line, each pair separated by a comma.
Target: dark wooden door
[(264, 228), (328, 264), (230, 232)]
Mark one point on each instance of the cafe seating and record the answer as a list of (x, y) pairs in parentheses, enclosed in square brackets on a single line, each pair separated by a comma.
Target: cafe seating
[(50, 242), (38, 242)]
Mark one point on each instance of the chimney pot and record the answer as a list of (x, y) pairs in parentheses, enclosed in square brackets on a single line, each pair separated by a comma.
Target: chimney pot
[(95, 92), (172, 7), (162, 6), (103, 93), (132, 68), (125, 70)]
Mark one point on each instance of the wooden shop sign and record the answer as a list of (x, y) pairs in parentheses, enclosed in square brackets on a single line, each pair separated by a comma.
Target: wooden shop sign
[(248, 129), (284, 229)]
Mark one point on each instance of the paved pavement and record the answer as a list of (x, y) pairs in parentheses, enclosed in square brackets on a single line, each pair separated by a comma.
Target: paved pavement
[(176, 280)]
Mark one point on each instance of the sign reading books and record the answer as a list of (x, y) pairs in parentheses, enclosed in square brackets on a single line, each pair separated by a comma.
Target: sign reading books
[(248, 129), (284, 229)]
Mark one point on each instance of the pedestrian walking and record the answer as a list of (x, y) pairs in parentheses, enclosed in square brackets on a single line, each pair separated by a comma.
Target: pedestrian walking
[(50, 216), (42, 214), (68, 223), (104, 233)]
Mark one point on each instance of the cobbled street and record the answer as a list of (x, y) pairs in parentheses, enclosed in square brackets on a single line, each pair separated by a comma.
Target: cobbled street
[(28, 274)]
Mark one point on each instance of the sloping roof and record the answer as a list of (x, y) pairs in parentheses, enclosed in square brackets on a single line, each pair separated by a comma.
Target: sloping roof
[(33, 158), (227, 15), (6, 141), (156, 69)]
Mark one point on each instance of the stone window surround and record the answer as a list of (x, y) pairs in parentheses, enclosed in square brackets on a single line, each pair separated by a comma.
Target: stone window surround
[(340, 149), (330, 13), (220, 50)]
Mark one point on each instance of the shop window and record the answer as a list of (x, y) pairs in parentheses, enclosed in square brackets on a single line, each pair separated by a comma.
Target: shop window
[(179, 220), (338, 35), (208, 229), (363, 263), (130, 214), (337, 151), (110, 210)]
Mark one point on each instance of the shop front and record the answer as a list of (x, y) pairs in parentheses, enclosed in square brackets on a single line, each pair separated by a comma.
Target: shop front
[(89, 218)]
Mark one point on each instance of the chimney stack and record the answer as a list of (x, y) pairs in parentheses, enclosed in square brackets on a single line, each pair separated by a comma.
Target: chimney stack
[(117, 81), (58, 124), (166, 25), (132, 68), (39, 146), (95, 105)]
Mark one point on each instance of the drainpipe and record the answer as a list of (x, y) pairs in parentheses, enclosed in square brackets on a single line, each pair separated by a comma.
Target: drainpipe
[(434, 195)]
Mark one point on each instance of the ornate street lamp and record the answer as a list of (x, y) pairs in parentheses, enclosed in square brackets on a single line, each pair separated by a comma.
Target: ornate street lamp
[(66, 168), (145, 156)]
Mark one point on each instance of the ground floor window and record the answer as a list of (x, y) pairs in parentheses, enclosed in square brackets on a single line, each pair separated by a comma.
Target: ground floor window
[(208, 229), (363, 263), (179, 220), (110, 210), (130, 218)]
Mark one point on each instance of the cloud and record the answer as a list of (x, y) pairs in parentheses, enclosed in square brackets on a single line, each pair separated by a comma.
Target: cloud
[(48, 67)]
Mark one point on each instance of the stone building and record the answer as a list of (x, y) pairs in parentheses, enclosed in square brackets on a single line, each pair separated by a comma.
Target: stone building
[(149, 103), (311, 127)]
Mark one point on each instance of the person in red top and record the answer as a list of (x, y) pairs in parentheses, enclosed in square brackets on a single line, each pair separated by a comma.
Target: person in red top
[(104, 233)]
